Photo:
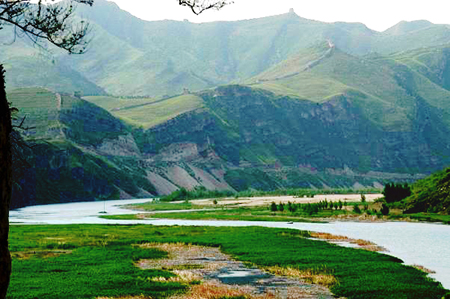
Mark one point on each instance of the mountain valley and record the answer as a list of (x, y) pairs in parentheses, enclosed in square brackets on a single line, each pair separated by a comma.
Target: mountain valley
[(276, 102)]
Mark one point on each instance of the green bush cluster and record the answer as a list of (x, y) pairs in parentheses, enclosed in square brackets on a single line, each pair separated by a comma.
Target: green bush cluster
[(394, 192), (309, 208), (199, 192)]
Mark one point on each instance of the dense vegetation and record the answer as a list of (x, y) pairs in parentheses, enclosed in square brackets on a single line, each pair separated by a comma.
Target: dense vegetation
[(431, 194), (394, 192), (86, 261), (197, 193)]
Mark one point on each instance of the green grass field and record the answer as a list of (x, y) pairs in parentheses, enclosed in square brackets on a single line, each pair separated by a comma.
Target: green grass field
[(228, 214), (164, 206), (148, 112), (110, 103), (89, 261)]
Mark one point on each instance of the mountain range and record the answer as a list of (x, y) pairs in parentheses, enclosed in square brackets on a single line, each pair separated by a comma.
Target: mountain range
[(276, 102), (131, 57)]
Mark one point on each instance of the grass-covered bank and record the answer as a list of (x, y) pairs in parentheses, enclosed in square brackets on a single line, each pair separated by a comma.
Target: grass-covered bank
[(366, 207), (88, 261), (241, 214), (423, 217)]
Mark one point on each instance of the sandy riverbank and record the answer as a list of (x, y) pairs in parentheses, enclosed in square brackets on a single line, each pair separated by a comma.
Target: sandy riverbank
[(267, 200)]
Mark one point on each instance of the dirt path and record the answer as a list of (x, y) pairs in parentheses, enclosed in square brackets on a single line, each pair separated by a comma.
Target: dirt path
[(58, 102), (221, 276)]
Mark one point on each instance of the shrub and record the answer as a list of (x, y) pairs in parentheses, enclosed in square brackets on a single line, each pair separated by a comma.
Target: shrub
[(292, 207), (384, 209), (356, 209), (273, 207)]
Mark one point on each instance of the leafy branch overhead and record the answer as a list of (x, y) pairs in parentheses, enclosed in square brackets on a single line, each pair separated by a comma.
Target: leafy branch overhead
[(199, 6), (46, 20)]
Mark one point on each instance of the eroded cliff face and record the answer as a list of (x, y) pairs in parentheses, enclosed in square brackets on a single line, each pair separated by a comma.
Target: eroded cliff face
[(262, 141)]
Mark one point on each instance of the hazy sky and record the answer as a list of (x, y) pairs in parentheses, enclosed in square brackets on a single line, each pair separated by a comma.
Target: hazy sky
[(376, 14)]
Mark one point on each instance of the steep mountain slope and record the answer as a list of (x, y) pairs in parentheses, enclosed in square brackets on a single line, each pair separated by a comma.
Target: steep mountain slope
[(292, 142), (411, 35), (27, 65), (433, 63), (65, 162), (387, 90), (81, 152)]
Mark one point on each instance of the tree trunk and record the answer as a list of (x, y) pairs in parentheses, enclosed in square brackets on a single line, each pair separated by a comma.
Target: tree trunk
[(5, 187)]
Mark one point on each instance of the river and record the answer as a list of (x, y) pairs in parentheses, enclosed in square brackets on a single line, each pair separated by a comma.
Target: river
[(422, 244)]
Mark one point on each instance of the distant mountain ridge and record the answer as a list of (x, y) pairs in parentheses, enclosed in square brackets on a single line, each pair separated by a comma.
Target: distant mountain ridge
[(132, 57)]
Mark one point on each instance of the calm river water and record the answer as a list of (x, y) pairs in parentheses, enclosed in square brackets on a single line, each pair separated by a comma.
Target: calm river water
[(415, 243)]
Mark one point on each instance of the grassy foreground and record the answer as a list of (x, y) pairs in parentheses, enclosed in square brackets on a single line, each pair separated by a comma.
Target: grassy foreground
[(89, 261)]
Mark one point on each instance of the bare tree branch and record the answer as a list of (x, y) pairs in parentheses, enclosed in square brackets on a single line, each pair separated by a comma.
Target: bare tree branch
[(199, 6), (46, 20)]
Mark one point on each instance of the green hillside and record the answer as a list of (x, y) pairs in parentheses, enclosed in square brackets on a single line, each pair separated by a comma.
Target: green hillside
[(431, 194), (432, 63), (20, 72), (411, 35), (58, 116), (385, 88), (65, 165), (250, 127), (148, 112)]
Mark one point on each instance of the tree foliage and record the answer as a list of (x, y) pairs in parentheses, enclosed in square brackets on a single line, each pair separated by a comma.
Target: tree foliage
[(394, 192), (356, 209), (273, 207), (384, 209)]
